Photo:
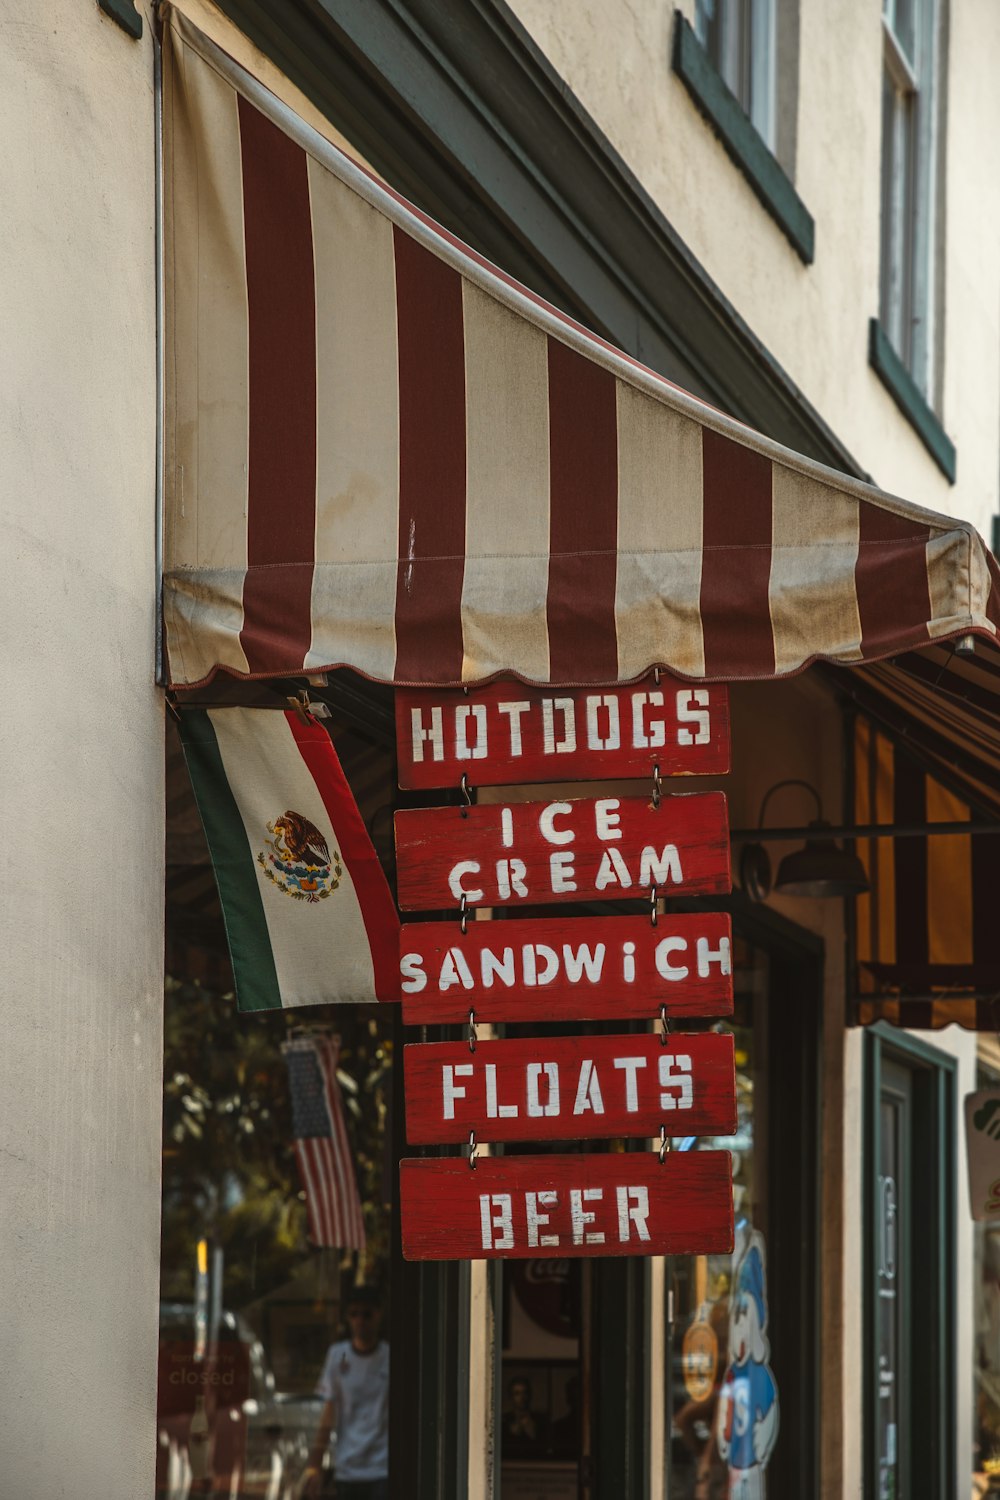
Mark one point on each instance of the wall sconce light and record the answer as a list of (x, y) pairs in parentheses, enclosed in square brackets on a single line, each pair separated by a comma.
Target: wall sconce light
[(820, 868)]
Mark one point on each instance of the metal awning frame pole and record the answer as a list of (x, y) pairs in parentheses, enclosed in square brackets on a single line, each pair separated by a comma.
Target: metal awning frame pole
[(864, 831)]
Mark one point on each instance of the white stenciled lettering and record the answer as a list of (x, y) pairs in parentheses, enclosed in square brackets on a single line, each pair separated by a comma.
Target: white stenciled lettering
[(583, 961), (630, 1067), (628, 963), (612, 871), (675, 1074), (567, 743), (653, 737), (612, 740), (494, 1109), (458, 873), (633, 1209), (455, 970), (497, 1221), (514, 712), (664, 948), (692, 708), (510, 878), (463, 749), (562, 871), (503, 968), (581, 1217), (588, 1090), (411, 970), (548, 1198), (435, 734), (607, 819), (536, 1109), (708, 956), (531, 953), (547, 823), (450, 1090), (506, 828), (659, 869)]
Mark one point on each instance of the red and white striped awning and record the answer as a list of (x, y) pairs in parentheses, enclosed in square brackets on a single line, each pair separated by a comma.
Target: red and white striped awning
[(383, 453)]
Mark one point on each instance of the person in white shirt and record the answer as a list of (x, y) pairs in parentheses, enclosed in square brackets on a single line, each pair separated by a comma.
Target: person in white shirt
[(355, 1417)]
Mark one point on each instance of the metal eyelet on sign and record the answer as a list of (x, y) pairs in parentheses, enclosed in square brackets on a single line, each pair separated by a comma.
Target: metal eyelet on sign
[(463, 913), (657, 786), (473, 1150), (467, 795), (472, 1031), (664, 1144), (653, 914)]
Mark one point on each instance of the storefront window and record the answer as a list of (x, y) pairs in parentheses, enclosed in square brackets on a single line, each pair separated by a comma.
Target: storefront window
[(258, 1284), (986, 1346), (740, 1362)]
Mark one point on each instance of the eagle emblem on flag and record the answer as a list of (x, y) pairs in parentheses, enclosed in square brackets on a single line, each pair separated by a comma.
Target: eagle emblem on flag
[(298, 859)]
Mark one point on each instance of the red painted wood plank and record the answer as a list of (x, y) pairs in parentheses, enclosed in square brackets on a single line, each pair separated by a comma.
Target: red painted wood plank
[(506, 733), (570, 1087), (517, 1207), (567, 968), (591, 848)]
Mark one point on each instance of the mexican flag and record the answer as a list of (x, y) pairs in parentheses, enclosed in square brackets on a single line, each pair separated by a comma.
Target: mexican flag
[(308, 912)]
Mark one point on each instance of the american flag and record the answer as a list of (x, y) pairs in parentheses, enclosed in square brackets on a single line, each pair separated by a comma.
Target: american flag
[(321, 1144)]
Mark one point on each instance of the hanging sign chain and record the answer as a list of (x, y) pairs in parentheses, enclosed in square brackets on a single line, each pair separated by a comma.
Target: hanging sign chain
[(472, 1031), (664, 1144)]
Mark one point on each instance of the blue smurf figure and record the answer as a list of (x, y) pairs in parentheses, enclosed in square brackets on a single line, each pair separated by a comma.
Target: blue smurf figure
[(747, 1420)]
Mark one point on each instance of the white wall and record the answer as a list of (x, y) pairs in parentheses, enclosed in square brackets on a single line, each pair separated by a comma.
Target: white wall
[(81, 924), (615, 56)]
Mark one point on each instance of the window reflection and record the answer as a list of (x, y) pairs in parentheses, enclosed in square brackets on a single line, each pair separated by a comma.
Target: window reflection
[(724, 1399), (274, 1349), (986, 1282)]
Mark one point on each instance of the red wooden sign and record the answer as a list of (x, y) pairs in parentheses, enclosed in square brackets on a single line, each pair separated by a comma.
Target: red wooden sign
[(508, 733), (564, 968), (591, 848), (521, 1206), (570, 1087)]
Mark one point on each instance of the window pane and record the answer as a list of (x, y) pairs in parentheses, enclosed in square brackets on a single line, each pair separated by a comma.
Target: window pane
[(724, 1405), (898, 228), (903, 21), (264, 1298)]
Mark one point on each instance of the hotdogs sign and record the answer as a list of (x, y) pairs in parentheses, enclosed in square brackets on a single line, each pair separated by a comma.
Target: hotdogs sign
[(498, 851)]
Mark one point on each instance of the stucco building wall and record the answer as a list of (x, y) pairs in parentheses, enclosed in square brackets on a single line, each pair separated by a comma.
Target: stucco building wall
[(615, 57), (81, 925)]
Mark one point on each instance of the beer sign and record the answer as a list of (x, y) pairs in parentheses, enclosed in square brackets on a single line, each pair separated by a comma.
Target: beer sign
[(618, 1203), (507, 733), (570, 1087), (584, 849), (559, 968)]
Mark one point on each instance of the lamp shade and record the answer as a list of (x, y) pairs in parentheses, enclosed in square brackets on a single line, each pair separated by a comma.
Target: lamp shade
[(821, 868)]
